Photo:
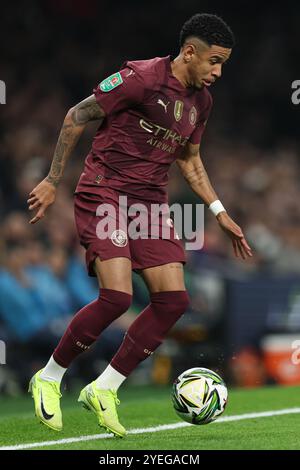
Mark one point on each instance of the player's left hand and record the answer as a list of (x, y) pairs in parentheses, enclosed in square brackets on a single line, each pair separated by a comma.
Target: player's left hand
[(239, 243)]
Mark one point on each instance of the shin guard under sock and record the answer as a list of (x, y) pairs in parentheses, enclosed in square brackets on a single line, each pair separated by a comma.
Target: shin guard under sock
[(89, 322), (148, 331)]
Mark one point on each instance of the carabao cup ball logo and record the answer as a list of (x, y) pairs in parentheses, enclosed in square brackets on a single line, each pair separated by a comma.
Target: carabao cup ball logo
[(119, 238)]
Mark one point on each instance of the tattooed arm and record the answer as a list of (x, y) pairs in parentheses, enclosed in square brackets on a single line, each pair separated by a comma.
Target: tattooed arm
[(43, 195), (192, 169)]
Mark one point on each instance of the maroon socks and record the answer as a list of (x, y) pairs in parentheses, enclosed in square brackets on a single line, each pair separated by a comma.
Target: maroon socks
[(89, 322), (149, 329), (145, 334)]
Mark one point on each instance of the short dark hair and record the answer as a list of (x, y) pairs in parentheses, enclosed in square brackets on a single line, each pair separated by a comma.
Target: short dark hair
[(209, 28)]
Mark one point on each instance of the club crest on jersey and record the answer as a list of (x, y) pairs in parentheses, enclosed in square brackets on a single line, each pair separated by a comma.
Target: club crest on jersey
[(119, 238), (111, 82), (178, 110), (193, 116)]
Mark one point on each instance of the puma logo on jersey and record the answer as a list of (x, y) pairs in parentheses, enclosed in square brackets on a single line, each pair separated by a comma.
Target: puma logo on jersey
[(130, 73), (159, 101)]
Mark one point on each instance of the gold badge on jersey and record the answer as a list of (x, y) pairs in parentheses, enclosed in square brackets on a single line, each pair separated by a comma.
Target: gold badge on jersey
[(178, 110), (193, 116)]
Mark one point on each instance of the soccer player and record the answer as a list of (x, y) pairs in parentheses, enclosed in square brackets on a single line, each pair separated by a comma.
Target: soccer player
[(151, 113)]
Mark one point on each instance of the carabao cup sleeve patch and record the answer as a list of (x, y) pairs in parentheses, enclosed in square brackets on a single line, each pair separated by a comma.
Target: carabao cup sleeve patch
[(111, 82), (114, 98)]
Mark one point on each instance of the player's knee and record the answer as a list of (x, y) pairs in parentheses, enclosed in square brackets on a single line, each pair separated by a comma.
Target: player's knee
[(114, 300), (185, 300), (124, 302), (180, 302), (172, 303)]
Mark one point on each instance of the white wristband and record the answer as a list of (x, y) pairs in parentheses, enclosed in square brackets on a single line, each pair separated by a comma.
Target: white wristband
[(216, 207)]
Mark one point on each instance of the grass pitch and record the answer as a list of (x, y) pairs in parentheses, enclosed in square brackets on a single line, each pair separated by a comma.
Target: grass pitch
[(148, 407)]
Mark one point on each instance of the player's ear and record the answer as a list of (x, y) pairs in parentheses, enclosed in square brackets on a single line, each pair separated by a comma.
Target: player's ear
[(188, 51)]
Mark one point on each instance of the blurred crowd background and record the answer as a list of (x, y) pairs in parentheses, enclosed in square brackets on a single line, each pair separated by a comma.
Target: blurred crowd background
[(244, 316)]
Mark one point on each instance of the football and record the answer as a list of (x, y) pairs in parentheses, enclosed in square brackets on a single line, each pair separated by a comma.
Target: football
[(199, 395)]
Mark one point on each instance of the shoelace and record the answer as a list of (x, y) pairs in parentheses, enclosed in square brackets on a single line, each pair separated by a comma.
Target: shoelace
[(114, 394)]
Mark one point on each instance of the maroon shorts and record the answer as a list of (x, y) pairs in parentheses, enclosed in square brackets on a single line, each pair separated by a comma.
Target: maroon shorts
[(108, 232)]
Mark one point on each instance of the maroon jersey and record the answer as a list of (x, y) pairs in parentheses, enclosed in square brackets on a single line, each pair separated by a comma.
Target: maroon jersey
[(150, 116)]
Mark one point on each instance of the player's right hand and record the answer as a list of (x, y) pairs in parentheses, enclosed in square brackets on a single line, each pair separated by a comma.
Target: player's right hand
[(41, 197)]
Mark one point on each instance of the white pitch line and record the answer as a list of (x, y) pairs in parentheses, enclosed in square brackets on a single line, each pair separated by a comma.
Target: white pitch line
[(163, 427)]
